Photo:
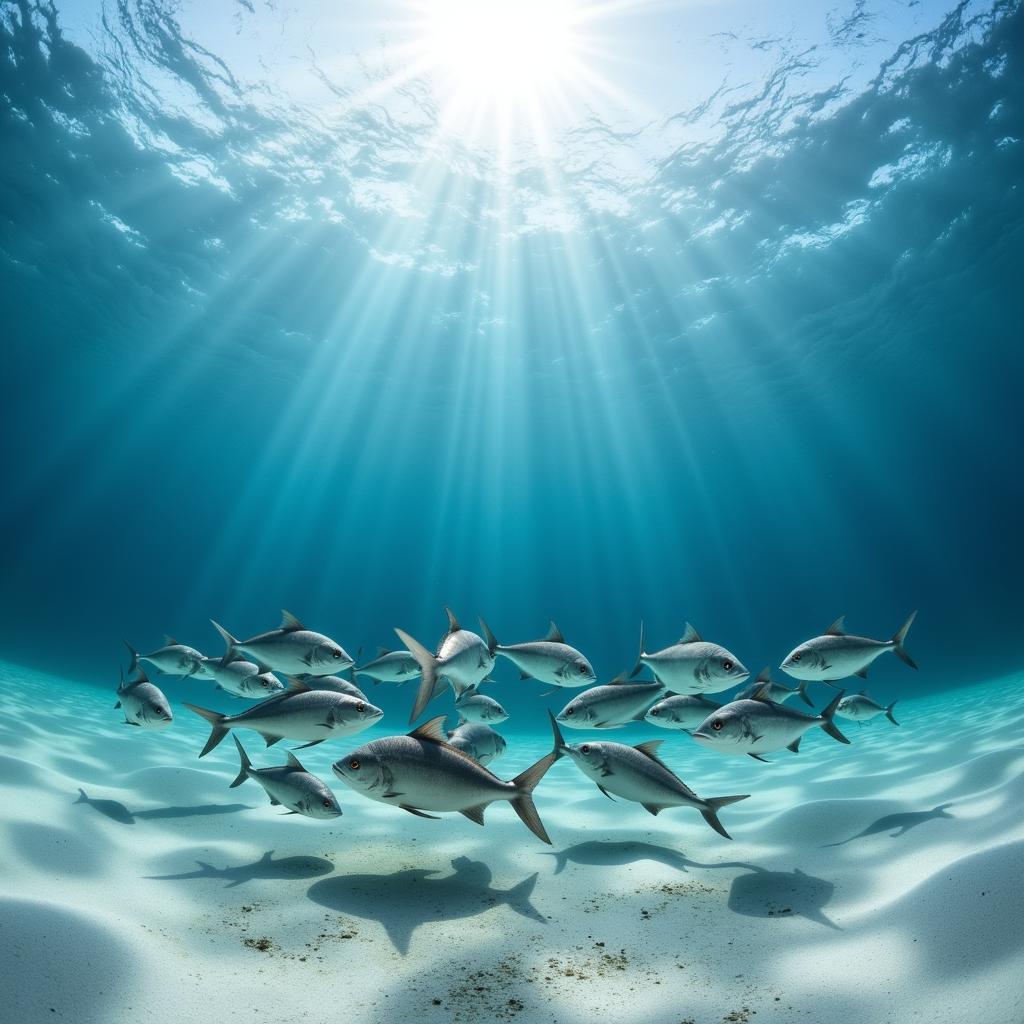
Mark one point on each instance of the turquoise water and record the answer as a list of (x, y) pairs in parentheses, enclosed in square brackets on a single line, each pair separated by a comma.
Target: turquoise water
[(700, 313)]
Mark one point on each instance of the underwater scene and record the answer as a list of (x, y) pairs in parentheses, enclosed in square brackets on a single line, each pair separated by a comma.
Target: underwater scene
[(512, 510)]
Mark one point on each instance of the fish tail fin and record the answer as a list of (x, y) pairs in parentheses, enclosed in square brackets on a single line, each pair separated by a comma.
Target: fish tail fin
[(428, 673), (229, 641), (489, 638), (897, 641), (218, 730), (135, 657), (524, 806), (802, 690), (640, 654), (244, 765), (712, 806), (828, 714), (889, 715), (527, 781)]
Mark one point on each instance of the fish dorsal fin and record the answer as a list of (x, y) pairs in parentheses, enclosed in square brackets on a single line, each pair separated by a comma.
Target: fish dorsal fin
[(169, 640), (383, 652), (296, 685), (453, 623), (764, 676), (650, 749), (761, 693), (295, 762), (554, 635), (432, 731), (288, 621), (621, 678), (690, 635), (838, 628), (140, 678)]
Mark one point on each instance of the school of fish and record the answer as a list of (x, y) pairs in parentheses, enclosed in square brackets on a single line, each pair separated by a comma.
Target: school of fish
[(430, 771)]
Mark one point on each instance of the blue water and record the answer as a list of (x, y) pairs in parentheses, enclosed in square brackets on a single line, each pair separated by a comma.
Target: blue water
[(748, 356)]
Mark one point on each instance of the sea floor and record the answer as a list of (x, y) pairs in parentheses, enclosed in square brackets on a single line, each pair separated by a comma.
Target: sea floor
[(878, 882)]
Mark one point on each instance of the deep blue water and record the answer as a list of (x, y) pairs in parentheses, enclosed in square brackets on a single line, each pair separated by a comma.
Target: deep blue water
[(752, 362)]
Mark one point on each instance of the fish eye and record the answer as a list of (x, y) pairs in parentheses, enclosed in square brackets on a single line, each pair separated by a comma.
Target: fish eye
[(354, 764), (266, 683), (655, 712), (328, 803), (585, 749), (583, 670), (717, 725), (336, 654), (796, 657), (569, 711), (157, 709), (727, 665), (360, 707)]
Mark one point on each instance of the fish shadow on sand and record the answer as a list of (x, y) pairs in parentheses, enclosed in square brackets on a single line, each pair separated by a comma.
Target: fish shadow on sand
[(403, 901), (265, 868), (116, 811), (616, 854), (903, 823), (763, 893)]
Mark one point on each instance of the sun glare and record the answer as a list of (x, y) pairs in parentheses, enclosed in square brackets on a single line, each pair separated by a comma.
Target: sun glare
[(499, 56)]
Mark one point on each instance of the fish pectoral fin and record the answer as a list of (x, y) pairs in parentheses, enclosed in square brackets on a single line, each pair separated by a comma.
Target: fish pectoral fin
[(525, 675), (274, 802), (547, 693), (311, 743), (863, 673), (136, 724), (419, 813), (606, 771), (117, 705), (270, 740), (653, 808), (795, 745), (389, 796), (605, 791), (286, 813), (476, 813), (758, 757)]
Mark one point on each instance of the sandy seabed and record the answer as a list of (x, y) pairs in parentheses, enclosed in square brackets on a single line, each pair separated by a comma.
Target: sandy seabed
[(878, 882)]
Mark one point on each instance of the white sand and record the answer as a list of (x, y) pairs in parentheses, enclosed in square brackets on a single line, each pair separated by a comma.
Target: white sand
[(627, 917)]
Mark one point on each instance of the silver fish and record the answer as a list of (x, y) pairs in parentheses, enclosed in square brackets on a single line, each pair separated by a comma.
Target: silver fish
[(692, 665), (289, 785), (291, 649), (481, 742), (638, 774), (297, 714), (759, 726), (143, 703), (615, 704), (836, 654), (423, 772), (550, 660), (776, 691), (240, 678), (462, 658), (390, 667), (172, 659), (476, 707), (681, 711), (337, 684), (861, 708)]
